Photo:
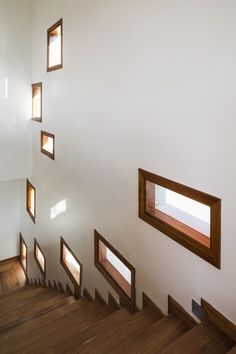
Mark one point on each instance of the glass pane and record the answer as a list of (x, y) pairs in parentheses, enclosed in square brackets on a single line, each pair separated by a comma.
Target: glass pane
[(186, 210), (48, 144), (72, 264), (55, 47), (122, 269), (40, 257), (36, 102)]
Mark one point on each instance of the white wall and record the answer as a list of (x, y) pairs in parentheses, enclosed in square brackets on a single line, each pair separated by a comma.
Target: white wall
[(147, 84), (9, 218), (15, 102)]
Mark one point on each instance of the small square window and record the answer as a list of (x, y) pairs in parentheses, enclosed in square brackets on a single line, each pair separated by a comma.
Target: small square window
[(115, 268), (31, 200), (71, 264), (40, 258), (48, 144), (23, 254), (55, 46), (37, 102)]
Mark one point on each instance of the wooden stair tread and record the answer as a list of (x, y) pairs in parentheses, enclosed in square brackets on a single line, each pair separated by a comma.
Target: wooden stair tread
[(75, 337), (12, 276), (16, 293), (42, 321), (204, 338), (50, 333), (35, 310), (114, 335), (27, 300), (154, 337)]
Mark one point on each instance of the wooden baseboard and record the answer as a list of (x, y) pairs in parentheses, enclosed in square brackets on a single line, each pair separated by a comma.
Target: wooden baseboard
[(176, 309), (60, 286), (68, 290), (87, 295), (113, 303), (99, 299), (148, 303), (226, 326)]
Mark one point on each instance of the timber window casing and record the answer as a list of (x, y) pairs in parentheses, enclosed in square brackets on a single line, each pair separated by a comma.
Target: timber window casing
[(115, 268), (201, 234)]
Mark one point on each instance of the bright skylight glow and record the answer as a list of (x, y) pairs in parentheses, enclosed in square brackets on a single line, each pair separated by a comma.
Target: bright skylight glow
[(122, 269), (55, 47), (23, 259), (72, 264), (32, 201), (48, 144), (184, 209), (36, 102), (40, 258)]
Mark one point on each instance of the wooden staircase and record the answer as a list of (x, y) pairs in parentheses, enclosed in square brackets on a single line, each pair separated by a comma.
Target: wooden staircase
[(44, 318)]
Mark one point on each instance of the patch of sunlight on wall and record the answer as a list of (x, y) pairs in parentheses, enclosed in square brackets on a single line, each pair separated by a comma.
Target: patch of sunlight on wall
[(6, 88), (58, 209)]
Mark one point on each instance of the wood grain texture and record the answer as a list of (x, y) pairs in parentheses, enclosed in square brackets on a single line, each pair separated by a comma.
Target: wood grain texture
[(221, 321), (148, 303), (203, 338), (124, 289), (12, 275), (179, 232), (176, 309), (49, 31)]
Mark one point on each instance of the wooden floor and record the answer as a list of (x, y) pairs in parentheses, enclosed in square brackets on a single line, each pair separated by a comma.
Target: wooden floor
[(12, 275)]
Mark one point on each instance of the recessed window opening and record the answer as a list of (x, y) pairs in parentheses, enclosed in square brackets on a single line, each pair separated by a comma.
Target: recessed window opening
[(48, 144), (188, 216), (55, 46), (37, 102), (120, 267), (186, 210), (40, 258), (31, 199), (23, 253), (71, 263), (116, 269)]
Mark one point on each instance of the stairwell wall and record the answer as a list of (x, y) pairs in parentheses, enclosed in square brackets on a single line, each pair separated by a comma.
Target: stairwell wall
[(145, 84), (15, 111)]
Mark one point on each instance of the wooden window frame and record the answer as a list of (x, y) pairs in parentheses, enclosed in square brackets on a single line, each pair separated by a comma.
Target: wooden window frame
[(38, 85), (45, 152), (22, 241), (28, 184), (111, 273), (53, 27), (77, 286), (43, 272), (148, 213)]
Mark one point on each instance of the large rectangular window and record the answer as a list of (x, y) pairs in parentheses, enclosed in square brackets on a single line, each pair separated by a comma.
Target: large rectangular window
[(37, 102), (116, 269), (190, 217), (23, 254), (31, 200), (55, 46), (71, 264), (48, 144), (40, 258)]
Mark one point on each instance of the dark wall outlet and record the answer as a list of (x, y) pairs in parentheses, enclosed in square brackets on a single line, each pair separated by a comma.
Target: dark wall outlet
[(197, 310)]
